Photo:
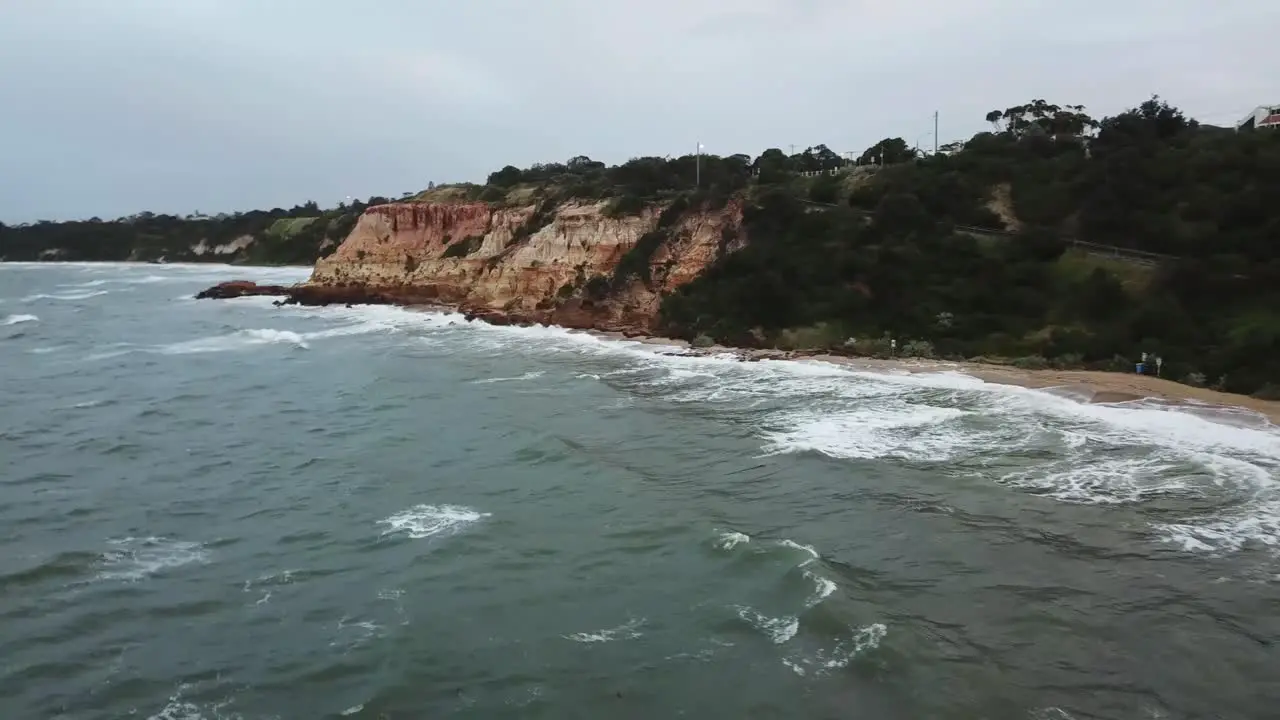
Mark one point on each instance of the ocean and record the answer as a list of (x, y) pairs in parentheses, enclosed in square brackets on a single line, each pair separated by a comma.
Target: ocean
[(227, 509)]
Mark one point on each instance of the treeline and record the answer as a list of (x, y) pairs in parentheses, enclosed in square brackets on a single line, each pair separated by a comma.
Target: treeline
[(297, 235), (642, 180), (888, 262)]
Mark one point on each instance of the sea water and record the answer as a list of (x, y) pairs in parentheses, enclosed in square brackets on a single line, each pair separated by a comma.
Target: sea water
[(228, 509)]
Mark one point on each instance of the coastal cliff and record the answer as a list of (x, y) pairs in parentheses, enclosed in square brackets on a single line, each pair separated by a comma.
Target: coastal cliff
[(1045, 244), (536, 262)]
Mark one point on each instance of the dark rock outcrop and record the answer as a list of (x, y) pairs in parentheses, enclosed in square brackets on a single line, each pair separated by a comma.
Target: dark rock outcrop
[(240, 288)]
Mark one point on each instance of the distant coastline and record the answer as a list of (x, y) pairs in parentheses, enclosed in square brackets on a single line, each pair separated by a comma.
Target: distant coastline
[(1066, 246)]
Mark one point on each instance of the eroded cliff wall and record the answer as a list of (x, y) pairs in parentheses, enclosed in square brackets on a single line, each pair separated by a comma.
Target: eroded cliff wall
[(528, 263)]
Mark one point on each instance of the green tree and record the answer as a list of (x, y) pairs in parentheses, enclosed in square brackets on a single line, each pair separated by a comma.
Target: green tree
[(887, 152)]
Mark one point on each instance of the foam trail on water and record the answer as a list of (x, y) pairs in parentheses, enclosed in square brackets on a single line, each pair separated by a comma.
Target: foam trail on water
[(19, 319), (64, 296), (424, 521), (731, 540), (825, 660), (823, 588), (626, 631), (869, 432), (778, 629), (236, 341), (526, 376), (136, 558), (807, 549), (83, 285)]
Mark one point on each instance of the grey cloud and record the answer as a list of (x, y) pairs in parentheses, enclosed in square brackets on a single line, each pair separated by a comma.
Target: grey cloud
[(110, 108)]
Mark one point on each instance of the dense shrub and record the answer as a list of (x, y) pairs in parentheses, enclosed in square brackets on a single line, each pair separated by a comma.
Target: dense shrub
[(463, 247), (636, 261)]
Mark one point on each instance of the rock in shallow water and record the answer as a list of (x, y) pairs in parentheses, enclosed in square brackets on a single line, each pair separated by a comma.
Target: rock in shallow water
[(240, 288)]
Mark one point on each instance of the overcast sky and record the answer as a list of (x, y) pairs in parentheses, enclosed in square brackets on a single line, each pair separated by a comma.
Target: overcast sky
[(109, 107)]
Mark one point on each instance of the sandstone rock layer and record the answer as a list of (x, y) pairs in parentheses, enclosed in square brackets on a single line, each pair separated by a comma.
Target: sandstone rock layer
[(527, 263)]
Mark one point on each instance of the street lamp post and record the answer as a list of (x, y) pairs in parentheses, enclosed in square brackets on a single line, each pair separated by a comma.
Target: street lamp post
[(697, 177)]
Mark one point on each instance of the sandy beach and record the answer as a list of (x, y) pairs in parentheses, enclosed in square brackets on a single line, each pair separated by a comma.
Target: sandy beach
[(1091, 386)]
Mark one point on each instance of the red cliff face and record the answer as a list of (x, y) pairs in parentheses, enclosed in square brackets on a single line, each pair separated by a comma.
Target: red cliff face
[(521, 264)]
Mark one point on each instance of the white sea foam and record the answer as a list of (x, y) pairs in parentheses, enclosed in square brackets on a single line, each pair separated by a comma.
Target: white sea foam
[(136, 558), (730, 540), (1078, 480), (362, 328), (823, 588), (526, 376), (423, 521), (235, 341), (284, 577), (81, 286), (899, 430), (1257, 524), (178, 709), (625, 631), (19, 319), (807, 549), (64, 296), (777, 629), (824, 660)]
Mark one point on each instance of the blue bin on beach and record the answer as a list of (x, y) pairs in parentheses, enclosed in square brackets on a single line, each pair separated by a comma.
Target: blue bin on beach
[(1141, 367)]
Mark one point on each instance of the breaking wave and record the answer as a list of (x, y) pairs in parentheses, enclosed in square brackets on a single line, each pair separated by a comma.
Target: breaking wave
[(1033, 441), (19, 319), (1043, 443)]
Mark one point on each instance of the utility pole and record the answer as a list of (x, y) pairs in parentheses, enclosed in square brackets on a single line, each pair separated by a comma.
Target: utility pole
[(793, 148), (935, 132)]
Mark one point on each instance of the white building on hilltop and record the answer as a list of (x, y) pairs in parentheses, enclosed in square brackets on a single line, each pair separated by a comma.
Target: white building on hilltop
[(1262, 116)]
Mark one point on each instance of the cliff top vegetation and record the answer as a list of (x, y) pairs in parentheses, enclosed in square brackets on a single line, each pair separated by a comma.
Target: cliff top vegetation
[(1053, 238)]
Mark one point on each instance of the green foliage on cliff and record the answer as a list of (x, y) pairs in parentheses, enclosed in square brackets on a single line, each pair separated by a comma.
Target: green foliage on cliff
[(1152, 234), (463, 247), (297, 235), (635, 263)]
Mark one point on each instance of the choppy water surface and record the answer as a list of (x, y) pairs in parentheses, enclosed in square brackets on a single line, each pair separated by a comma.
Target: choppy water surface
[(232, 510)]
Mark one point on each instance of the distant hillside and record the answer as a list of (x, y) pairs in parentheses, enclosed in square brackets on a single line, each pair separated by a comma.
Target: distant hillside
[(298, 235)]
